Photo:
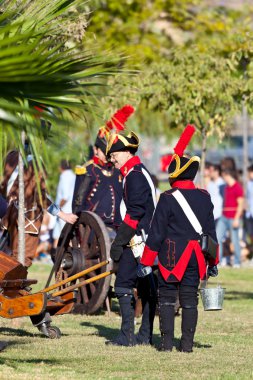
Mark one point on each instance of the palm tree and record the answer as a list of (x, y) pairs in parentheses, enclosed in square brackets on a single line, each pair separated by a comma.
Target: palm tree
[(42, 64)]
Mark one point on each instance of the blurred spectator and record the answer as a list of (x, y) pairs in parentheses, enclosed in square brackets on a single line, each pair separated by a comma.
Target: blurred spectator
[(64, 195), (231, 215), (215, 187), (228, 163), (249, 209), (207, 178), (45, 238)]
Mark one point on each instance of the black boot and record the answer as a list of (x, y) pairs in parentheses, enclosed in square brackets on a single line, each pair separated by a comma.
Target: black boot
[(145, 333), (189, 323), (126, 336), (166, 318)]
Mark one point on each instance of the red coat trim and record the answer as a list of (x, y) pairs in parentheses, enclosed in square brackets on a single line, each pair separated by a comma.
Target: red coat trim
[(182, 263), (148, 256), (131, 222), (97, 161), (135, 160), (186, 184)]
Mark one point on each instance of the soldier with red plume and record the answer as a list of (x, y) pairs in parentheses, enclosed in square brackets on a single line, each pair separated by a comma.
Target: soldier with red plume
[(98, 186), (173, 239), (137, 208)]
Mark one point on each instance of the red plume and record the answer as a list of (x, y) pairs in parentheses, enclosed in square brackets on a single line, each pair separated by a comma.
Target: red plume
[(120, 117), (184, 140)]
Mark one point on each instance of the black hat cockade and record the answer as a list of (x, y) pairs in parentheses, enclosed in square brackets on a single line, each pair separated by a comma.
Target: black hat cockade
[(119, 141), (182, 167)]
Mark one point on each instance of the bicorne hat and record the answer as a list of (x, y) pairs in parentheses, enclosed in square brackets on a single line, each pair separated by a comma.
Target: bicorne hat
[(118, 141), (182, 167)]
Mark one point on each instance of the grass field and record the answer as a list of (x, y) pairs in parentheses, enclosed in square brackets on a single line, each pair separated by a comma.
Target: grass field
[(223, 343)]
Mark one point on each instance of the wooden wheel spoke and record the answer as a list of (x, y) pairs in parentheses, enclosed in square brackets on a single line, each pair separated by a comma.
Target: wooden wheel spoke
[(92, 274), (92, 287), (86, 235), (91, 262), (91, 238), (84, 294)]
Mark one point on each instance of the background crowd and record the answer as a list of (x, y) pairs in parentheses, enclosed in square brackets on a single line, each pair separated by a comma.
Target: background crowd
[(233, 211)]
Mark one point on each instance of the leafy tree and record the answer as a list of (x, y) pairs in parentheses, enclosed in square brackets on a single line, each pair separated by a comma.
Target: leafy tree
[(143, 30), (192, 87), (195, 88), (42, 67)]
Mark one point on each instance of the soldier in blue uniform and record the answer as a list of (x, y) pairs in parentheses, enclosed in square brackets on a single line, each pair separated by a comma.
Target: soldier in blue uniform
[(137, 208), (102, 185), (173, 239)]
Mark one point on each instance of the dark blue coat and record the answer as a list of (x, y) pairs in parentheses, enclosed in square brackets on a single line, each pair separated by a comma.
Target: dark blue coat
[(104, 191), (139, 197), (172, 237)]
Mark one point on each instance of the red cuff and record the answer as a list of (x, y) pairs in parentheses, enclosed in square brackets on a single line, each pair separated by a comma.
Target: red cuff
[(131, 222), (148, 256)]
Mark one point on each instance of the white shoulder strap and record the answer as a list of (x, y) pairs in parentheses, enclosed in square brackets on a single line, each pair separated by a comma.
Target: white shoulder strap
[(188, 211), (12, 179)]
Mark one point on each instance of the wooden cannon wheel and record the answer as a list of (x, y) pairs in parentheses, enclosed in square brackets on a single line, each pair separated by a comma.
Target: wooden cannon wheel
[(88, 238)]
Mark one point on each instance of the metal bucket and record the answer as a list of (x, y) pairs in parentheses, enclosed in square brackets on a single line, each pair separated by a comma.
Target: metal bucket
[(212, 298)]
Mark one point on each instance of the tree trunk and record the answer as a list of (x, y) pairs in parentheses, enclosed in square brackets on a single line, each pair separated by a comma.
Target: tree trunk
[(245, 146), (203, 156), (21, 207)]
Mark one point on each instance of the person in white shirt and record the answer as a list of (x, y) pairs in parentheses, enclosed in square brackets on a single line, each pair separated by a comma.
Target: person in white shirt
[(64, 195), (215, 187)]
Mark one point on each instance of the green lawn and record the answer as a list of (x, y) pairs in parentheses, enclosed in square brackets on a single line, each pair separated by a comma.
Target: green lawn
[(223, 343)]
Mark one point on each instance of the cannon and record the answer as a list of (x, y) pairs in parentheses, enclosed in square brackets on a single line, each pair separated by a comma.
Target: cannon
[(82, 246), (17, 299)]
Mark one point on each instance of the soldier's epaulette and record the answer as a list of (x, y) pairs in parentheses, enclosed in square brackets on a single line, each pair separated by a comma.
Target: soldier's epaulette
[(81, 169)]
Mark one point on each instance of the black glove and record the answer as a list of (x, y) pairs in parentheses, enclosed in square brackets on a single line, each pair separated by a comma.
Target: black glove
[(212, 271), (143, 270), (116, 252), (123, 237)]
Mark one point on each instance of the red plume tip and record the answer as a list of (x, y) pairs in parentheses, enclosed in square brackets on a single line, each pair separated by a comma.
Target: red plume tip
[(120, 117), (184, 140)]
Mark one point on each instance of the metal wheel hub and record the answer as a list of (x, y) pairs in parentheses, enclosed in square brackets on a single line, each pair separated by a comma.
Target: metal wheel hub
[(73, 261)]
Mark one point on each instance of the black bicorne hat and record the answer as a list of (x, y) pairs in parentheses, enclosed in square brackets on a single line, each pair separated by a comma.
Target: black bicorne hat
[(119, 141), (181, 167), (184, 168), (101, 142)]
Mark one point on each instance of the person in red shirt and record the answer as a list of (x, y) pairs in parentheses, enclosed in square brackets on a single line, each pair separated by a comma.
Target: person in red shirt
[(231, 215)]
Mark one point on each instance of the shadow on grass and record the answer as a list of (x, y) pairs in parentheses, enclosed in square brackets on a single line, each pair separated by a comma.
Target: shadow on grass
[(235, 295), (110, 333), (107, 332), (15, 363), (23, 333), (16, 332)]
